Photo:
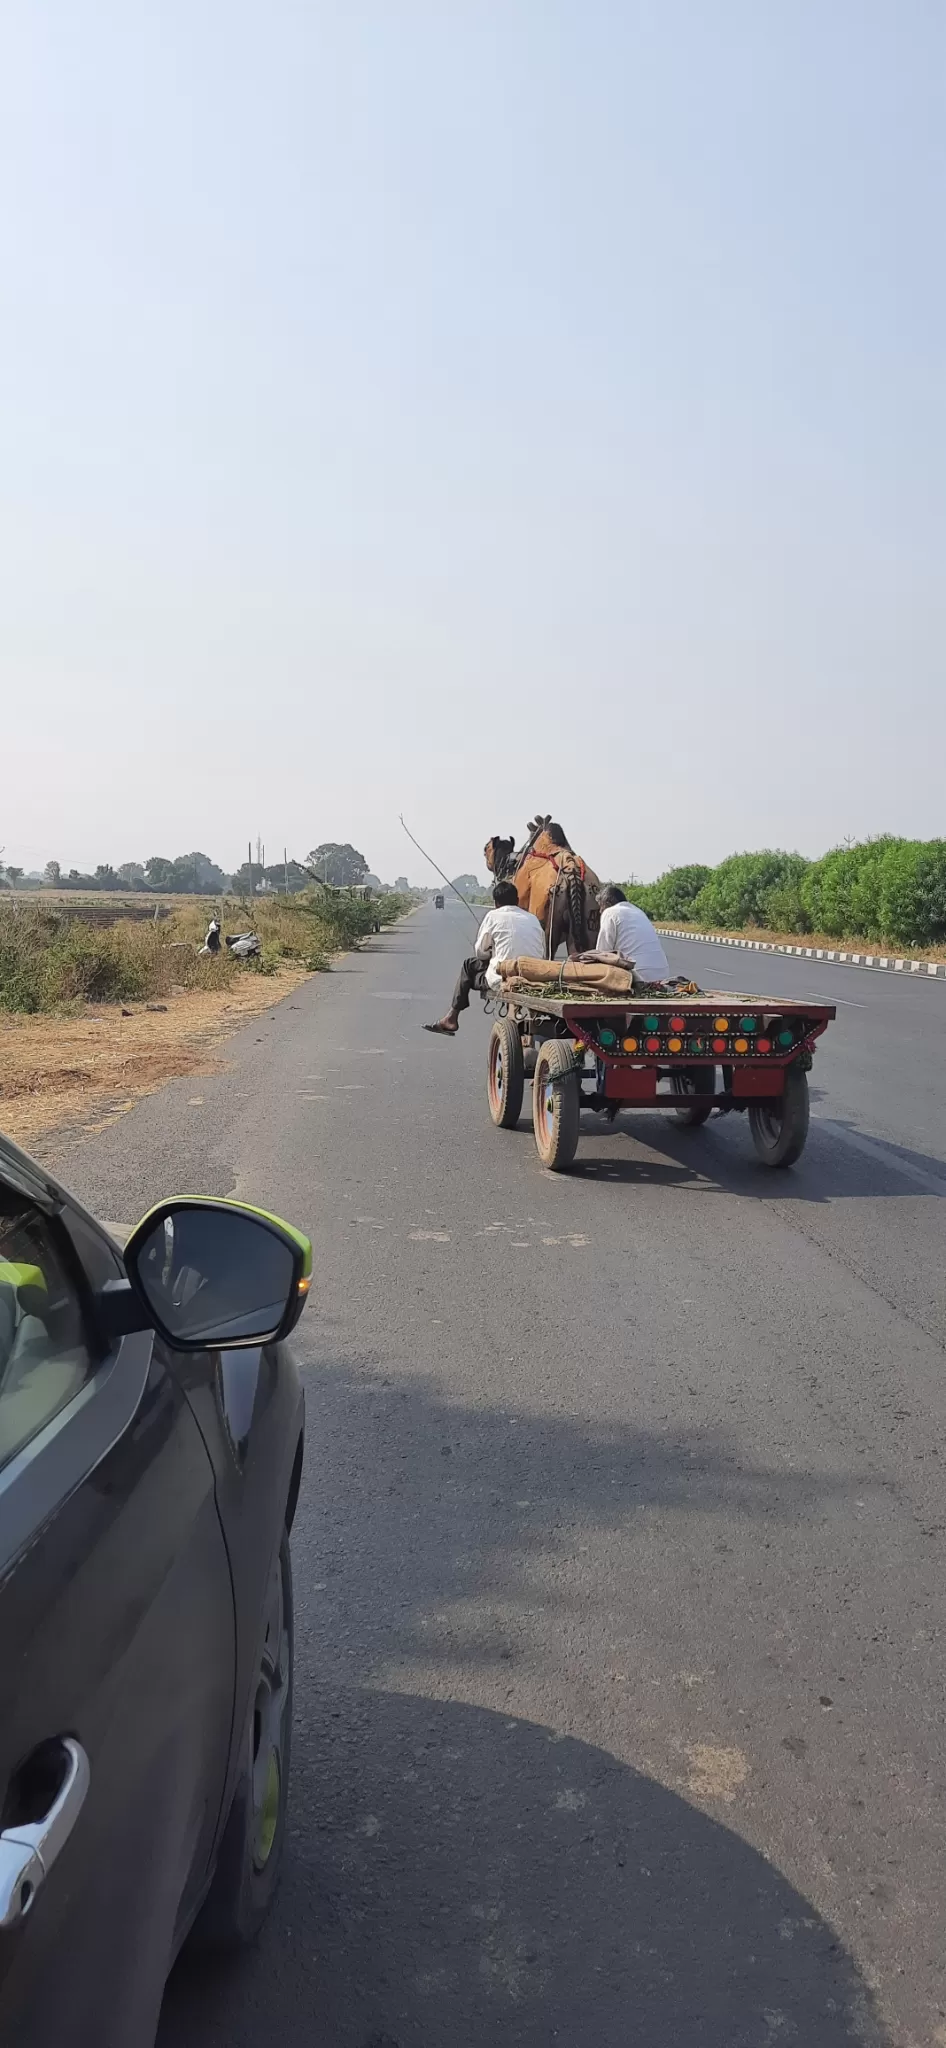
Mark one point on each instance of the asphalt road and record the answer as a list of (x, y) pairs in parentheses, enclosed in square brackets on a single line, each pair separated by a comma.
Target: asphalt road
[(620, 1556)]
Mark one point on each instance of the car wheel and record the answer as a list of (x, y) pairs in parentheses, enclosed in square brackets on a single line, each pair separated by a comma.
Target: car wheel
[(251, 1851)]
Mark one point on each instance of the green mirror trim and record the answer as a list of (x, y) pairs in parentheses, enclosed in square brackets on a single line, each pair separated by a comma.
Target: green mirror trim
[(303, 1244)]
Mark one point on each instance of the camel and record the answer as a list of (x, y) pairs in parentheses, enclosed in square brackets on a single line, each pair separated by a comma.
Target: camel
[(551, 881)]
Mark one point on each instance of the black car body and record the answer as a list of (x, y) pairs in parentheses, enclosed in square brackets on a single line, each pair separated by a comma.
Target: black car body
[(146, 1495)]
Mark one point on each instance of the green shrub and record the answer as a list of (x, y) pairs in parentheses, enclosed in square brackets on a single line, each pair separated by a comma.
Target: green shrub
[(783, 909), (673, 894), (912, 891), (883, 889), (843, 892), (736, 893)]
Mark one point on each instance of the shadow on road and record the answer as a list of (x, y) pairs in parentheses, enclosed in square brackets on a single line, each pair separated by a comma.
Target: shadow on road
[(721, 1152), (458, 1877), (470, 1881)]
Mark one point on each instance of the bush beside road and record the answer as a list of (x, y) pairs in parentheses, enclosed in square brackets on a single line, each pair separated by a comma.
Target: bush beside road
[(883, 895), (50, 958)]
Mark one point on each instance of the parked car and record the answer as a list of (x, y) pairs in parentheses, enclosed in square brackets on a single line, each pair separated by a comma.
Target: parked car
[(151, 1442)]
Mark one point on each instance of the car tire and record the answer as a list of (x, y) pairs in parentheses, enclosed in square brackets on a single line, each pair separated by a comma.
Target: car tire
[(247, 1869)]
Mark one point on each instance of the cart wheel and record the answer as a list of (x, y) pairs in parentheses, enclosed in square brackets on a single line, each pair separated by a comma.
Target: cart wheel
[(506, 1074), (692, 1081), (556, 1105), (779, 1133)]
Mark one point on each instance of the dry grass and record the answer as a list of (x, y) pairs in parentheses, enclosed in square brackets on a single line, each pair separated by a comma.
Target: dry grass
[(877, 947), (82, 1072), (71, 1060)]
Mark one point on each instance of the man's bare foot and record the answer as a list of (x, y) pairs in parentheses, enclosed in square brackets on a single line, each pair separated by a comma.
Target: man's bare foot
[(445, 1027)]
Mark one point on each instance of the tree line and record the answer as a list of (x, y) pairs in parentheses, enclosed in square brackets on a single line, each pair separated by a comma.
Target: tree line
[(195, 874), (880, 888)]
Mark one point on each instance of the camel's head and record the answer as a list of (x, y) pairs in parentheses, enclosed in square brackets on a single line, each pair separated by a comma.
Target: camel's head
[(497, 854)]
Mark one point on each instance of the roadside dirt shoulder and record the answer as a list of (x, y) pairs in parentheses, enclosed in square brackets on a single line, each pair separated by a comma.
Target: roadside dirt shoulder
[(81, 1073)]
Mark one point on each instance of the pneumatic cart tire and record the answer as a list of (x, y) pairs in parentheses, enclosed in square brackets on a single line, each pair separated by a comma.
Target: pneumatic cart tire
[(779, 1133), (505, 1074), (691, 1081), (556, 1105)]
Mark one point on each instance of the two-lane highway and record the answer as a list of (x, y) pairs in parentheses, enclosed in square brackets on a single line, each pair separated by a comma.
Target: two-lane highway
[(881, 1067), (620, 1556)]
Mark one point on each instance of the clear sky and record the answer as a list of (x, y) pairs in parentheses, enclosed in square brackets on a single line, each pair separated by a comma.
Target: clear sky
[(468, 406)]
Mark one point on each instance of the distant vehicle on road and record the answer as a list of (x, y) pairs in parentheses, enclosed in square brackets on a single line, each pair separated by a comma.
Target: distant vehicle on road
[(438, 902), (151, 1442)]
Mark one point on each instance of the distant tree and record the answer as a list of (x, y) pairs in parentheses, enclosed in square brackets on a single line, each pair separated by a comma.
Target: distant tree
[(343, 866), (468, 885), (211, 880), (105, 877), (14, 875), (131, 874), (52, 874), (159, 872), (195, 874), (299, 878)]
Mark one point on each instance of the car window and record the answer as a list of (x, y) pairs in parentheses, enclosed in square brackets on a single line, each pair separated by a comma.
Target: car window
[(44, 1355)]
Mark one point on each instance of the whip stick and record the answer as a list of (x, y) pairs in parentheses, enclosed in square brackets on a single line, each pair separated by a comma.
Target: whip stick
[(439, 871)]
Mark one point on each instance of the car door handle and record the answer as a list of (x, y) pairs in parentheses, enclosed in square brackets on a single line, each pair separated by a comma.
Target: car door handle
[(29, 1849)]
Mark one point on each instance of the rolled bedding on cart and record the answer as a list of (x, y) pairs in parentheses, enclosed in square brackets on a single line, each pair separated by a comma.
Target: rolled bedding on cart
[(557, 976)]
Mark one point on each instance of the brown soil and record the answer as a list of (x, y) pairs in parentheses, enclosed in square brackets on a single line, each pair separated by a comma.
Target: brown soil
[(84, 1072)]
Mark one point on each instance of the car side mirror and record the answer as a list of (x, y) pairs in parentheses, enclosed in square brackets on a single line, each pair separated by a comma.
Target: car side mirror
[(212, 1276)]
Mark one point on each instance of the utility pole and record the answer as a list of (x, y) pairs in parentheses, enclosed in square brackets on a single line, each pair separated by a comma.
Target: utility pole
[(249, 862), (285, 862)]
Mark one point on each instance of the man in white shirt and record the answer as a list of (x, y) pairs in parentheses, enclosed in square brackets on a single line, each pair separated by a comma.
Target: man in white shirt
[(628, 933), (506, 933)]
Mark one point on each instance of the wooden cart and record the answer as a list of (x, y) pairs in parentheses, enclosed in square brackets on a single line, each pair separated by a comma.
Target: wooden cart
[(660, 1052)]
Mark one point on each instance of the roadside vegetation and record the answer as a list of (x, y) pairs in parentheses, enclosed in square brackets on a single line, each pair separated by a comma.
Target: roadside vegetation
[(886, 892), (52, 959)]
